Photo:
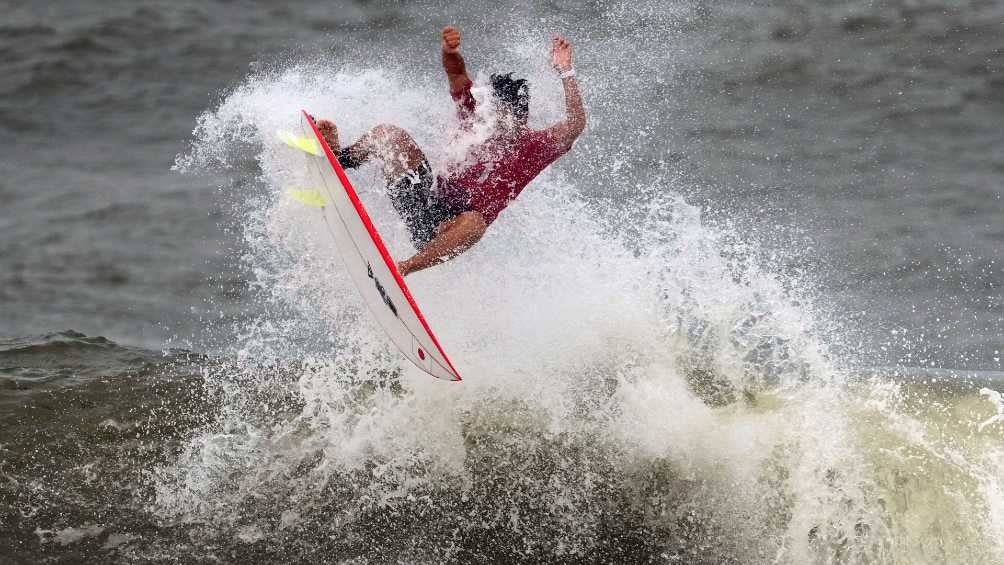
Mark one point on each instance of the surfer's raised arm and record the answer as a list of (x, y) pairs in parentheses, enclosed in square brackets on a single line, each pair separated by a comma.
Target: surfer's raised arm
[(574, 123), (456, 72), (453, 62)]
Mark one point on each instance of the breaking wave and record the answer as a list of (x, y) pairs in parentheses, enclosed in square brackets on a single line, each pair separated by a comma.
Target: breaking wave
[(638, 385)]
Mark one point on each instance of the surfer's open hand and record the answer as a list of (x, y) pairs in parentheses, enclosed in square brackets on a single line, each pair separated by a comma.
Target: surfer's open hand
[(561, 53), (451, 40), (330, 134)]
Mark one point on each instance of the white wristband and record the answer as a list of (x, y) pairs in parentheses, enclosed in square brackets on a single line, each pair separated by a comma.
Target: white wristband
[(568, 73)]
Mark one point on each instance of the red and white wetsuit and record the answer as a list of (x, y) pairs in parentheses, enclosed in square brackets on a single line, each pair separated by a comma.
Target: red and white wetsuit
[(499, 169)]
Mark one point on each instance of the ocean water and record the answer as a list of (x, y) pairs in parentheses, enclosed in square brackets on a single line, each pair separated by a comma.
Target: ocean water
[(754, 317)]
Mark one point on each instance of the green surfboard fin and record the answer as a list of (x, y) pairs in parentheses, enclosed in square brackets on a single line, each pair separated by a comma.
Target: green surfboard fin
[(308, 196), (301, 142)]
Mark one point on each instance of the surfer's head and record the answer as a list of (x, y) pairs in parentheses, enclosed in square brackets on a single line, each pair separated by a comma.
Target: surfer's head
[(512, 99)]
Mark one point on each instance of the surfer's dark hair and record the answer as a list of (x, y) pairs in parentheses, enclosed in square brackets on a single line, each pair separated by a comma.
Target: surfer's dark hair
[(514, 93)]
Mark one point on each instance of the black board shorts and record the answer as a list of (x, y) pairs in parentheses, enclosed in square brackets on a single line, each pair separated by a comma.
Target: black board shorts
[(417, 204)]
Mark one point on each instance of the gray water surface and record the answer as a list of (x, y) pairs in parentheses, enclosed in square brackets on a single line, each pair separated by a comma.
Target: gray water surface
[(157, 404)]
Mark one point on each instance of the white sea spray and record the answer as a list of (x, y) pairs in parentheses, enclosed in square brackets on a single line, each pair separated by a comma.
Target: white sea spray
[(629, 359)]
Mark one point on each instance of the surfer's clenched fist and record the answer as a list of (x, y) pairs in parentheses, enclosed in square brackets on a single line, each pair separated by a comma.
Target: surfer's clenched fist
[(453, 62), (451, 40)]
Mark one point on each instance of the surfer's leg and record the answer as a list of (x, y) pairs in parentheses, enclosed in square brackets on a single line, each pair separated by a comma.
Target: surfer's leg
[(408, 175), (396, 150), (413, 198)]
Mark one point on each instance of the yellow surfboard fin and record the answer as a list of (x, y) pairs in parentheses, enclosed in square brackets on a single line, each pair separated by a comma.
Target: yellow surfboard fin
[(308, 196), (301, 142)]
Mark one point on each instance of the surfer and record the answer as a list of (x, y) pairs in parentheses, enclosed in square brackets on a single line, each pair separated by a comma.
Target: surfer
[(448, 214)]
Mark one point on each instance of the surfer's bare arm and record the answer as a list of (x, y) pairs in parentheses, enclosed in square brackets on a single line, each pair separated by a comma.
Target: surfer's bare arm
[(453, 237), (453, 62), (574, 123)]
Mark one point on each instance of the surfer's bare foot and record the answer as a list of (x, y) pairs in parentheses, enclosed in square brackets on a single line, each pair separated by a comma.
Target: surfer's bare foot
[(405, 268), (330, 134)]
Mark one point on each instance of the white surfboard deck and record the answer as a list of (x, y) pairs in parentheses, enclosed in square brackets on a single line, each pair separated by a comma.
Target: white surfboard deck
[(365, 256)]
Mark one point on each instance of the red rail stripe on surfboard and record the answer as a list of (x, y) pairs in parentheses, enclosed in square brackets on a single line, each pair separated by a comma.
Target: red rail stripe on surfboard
[(375, 236)]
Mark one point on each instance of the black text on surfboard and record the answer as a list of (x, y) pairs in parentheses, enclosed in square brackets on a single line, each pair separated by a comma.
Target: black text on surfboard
[(380, 289)]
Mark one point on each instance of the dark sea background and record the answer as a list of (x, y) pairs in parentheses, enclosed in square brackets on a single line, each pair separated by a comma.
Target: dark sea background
[(755, 316)]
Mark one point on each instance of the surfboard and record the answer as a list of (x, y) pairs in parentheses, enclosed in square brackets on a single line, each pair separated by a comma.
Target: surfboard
[(364, 254)]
